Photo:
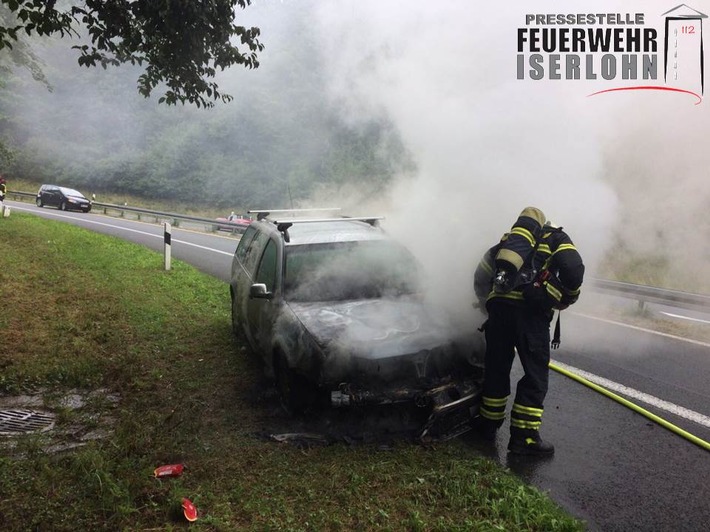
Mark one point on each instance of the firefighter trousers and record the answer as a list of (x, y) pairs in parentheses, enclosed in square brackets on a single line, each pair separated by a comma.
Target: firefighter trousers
[(512, 327)]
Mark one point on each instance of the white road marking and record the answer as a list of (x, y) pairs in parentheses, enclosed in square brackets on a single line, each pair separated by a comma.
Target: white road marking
[(684, 317), (680, 411), (634, 327), (132, 231)]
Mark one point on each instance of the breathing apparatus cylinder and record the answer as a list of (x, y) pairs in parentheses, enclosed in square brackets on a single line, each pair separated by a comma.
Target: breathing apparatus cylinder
[(512, 261)]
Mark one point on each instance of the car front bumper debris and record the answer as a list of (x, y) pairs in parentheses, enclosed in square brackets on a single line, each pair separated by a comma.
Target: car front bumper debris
[(451, 405)]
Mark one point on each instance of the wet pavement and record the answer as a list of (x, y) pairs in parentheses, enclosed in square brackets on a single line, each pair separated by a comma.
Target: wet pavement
[(614, 468)]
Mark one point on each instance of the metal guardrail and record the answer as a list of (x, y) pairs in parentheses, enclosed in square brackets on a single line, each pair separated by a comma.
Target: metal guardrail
[(649, 294), (641, 293), (159, 216)]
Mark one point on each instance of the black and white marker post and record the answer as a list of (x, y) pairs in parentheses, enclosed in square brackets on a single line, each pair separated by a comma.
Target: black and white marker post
[(166, 239)]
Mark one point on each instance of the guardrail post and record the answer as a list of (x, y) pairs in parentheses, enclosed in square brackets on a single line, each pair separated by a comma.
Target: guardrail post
[(166, 239)]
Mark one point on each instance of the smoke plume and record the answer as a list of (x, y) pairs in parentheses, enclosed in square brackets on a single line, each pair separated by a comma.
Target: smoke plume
[(621, 171)]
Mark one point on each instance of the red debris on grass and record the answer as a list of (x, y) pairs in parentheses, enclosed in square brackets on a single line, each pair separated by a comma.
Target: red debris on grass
[(171, 470), (189, 510)]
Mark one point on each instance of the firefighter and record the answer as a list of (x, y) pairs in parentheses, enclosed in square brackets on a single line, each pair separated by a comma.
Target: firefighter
[(534, 270)]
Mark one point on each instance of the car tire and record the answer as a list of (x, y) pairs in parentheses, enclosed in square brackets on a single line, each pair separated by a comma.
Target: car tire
[(295, 392), (39, 202), (63, 206)]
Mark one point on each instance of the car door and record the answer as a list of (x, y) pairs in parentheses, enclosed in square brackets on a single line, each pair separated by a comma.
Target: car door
[(46, 195), (263, 311), (53, 197), (247, 259)]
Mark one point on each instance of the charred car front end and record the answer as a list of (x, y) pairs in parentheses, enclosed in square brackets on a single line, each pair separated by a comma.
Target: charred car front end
[(334, 309)]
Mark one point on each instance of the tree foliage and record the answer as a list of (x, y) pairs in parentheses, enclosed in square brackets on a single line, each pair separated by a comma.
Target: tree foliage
[(283, 140), (181, 43)]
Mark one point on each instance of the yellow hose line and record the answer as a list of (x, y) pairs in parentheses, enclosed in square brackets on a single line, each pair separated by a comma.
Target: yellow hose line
[(653, 417)]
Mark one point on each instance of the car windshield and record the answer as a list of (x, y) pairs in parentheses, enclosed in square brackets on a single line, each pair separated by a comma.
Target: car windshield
[(71, 192), (349, 270)]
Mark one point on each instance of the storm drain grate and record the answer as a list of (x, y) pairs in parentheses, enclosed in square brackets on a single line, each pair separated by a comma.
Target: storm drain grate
[(21, 421)]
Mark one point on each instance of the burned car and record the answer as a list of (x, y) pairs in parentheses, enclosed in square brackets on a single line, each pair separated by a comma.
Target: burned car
[(333, 308)]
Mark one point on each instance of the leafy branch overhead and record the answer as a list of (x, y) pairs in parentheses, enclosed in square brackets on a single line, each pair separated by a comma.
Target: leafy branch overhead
[(181, 43)]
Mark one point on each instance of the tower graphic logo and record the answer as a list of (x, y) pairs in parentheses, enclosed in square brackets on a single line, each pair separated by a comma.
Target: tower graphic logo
[(683, 53)]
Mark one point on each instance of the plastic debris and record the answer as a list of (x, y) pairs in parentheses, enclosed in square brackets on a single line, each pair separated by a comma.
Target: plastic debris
[(189, 510), (300, 438), (171, 470)]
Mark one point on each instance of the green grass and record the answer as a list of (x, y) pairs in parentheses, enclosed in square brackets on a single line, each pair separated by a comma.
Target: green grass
[(81, 312)]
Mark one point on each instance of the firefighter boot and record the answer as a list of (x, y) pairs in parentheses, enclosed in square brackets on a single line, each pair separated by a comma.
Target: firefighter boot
[(529, 442)]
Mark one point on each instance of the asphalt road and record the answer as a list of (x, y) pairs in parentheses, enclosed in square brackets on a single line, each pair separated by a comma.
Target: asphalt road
[(613, 467)]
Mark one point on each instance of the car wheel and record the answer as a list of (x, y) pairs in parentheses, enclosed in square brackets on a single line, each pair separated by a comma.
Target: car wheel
[(63, 206), (295, 392), (39, 203)]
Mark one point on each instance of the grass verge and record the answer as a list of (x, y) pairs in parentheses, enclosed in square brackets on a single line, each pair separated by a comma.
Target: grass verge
[(81, 312)]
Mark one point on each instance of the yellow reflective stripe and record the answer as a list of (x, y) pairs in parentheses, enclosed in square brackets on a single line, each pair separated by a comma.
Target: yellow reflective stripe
[(524, 233), (492, 415), (544, 248), (511, 256), (492, 401), (554, 292), (522, 424), (518, 296), (528, 410), (487, 267), (563, 247), (573, 292)]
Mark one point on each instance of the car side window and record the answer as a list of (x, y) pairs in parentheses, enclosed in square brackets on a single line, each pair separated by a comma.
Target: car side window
[(253, 253), (244, 242), (267, 267)]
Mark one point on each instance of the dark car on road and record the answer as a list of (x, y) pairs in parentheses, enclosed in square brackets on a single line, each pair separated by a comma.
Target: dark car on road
[(333, 307), (63, 198)]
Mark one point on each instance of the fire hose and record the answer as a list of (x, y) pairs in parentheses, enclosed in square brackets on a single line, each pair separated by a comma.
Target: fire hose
[(673, 428)]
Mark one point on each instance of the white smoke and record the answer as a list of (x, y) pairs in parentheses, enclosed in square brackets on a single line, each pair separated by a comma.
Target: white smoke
[(618, 168), (622, 169)]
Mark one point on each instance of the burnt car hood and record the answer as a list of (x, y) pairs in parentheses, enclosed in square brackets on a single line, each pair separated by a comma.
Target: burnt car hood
[(375, 327)]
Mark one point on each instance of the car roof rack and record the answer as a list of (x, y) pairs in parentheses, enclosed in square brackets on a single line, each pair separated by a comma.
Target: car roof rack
[(264, 213), (283, 225)]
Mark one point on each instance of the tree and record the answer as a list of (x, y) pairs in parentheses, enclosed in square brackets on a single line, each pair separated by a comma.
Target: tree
[(182, 43)]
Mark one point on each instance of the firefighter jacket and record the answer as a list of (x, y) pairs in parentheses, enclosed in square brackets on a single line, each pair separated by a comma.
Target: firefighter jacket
[(558, 273)]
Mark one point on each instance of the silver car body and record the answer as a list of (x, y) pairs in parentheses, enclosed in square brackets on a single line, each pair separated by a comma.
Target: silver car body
[(335, 304)]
